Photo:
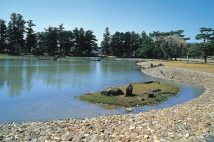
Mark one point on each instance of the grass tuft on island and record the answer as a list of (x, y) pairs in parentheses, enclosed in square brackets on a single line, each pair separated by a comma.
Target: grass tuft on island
[(140, 96)]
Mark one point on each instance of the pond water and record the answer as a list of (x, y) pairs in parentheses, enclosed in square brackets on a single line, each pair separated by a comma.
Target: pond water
[(32, 89)]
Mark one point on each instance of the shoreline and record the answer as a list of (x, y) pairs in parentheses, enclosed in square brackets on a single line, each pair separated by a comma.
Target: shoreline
[(190, 121)]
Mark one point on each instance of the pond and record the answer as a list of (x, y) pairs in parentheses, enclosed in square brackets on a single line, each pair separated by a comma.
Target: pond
[(32, 89)]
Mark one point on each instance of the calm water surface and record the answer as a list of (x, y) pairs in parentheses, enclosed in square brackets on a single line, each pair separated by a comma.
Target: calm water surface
[(32, 89)]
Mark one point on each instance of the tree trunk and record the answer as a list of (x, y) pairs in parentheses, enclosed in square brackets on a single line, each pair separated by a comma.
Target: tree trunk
[(205, 58), (205, 52)]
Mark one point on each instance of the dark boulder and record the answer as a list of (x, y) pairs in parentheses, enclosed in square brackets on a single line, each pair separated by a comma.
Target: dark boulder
[(129, 90), (151, 95), (148, 82), (115, 92)]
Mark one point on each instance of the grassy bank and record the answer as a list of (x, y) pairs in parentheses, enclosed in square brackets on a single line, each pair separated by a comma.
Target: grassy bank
[(183, 64), (140, 95), (3, 56)]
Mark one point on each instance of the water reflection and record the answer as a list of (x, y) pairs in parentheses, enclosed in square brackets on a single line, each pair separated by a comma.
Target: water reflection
[(15, 77), (2, 76), (19, 76)]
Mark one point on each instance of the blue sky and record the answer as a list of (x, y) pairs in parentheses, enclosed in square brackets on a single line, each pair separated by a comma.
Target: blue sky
[(118, 15)]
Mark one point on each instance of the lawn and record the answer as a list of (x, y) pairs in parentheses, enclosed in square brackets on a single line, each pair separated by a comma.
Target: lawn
[(183, 64)]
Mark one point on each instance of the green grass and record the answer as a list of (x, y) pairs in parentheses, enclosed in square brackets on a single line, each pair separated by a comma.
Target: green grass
[(2, 56), (140, 98)]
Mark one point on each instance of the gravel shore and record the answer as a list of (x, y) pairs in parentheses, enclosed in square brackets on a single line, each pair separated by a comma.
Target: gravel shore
[(191, 121)]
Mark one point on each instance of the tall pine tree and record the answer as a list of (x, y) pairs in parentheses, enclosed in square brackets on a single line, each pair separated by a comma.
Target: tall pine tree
[(105, 44), (31, 37)]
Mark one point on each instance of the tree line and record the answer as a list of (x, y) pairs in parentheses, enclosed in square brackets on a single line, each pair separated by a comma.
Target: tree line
[(19, 38), (163, 45)]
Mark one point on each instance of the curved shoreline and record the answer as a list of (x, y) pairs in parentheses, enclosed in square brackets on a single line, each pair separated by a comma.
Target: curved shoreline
[(191, 121)]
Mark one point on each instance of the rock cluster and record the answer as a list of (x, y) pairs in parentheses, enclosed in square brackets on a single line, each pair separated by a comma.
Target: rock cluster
[(191, 121), (112, 92)]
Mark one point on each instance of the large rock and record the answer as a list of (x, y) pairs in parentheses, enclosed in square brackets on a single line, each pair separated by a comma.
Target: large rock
[(113, 92), (129, 90)]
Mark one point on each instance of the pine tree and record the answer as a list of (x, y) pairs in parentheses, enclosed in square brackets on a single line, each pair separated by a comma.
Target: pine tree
[(207, 35), (52, 45), (105, 44), (31, 38), (61, 38), (15, 32)]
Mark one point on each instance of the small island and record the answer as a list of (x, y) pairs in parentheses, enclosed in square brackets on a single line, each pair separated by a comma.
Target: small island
[(135, 94)]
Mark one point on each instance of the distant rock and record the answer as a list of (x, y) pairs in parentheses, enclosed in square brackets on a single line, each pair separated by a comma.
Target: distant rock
[(148, 82)]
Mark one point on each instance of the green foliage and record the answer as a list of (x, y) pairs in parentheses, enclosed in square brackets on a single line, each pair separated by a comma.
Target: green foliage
[(206, 34), (15, 32), (54, 40), (84, 42), (147, 48), (105, 44), (66, 42), (3, 36), (42, 42), (31, 38), (125, 44), (52, 46), (166, 45), (195, 50), (207, 37)]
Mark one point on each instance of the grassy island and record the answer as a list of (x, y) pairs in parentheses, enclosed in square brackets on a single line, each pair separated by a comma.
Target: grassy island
[(144, 93)]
